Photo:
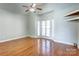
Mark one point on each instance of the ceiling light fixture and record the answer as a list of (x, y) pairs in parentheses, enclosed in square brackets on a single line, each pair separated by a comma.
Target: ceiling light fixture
[(32, 9)]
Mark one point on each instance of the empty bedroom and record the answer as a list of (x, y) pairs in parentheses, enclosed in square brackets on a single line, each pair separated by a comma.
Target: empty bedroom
[(39, 29)]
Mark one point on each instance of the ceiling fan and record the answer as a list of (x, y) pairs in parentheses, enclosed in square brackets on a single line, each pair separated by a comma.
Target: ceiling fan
[(33, 7)]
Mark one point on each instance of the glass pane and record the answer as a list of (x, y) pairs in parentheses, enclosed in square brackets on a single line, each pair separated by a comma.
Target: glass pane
[(48, 24), (43, 28), (48, 32), (43, 31), (38, 28), (43, 23), (52, 28)]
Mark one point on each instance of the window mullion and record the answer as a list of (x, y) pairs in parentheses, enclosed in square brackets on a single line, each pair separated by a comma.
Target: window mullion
[(45, 28), (50, 27), (40, 28)]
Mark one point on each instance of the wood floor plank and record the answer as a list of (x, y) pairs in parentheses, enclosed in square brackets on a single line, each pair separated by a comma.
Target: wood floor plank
[(36, 47)]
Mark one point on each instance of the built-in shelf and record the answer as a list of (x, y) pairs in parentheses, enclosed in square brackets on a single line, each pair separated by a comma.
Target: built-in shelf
[(74, 14), (73, 19)]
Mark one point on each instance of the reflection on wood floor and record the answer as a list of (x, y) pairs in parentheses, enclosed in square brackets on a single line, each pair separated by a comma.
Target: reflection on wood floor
[(36, 47)]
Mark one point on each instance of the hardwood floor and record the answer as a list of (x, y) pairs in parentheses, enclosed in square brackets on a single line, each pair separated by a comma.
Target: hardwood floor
[(36, 47)]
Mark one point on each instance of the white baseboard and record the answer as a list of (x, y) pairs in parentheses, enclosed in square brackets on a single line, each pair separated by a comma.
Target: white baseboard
[(68, 43), (52, 38), (33, 36), (13, 38)]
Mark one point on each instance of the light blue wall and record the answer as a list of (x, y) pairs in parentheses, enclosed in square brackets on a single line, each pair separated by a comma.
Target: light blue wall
[(64, 31), (12, 23), (31, 24)]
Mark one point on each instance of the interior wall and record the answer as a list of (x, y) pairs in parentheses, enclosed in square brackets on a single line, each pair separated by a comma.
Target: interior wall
[(31, 24), (64, 31), (12, 24)]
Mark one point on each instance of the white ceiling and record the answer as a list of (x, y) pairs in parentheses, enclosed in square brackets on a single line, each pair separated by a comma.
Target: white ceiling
[(16, 7), (46, 7)]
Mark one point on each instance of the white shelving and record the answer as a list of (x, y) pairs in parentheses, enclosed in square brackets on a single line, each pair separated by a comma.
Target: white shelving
[(74, 13), (73, 19)]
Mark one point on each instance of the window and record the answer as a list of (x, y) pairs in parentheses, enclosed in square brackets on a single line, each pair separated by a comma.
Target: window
[(45, 28)]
